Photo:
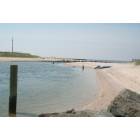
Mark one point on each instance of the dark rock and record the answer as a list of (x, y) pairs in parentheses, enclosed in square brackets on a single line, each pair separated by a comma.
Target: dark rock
[(102, 67), (97, 67), (127, 104), (72, 111), (48, 114), (83, 113)]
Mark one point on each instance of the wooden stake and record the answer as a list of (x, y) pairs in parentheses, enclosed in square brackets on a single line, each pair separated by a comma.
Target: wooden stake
[(13, 90)]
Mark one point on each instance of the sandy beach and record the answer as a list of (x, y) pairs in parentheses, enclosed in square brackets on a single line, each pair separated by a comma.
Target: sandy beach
[(10, 59), (111, 81)]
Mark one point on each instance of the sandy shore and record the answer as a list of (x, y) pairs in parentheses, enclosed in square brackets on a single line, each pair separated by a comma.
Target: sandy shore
[(9, 59), (111, 81)]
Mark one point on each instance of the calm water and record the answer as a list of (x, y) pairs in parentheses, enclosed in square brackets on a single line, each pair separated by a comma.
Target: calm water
[(46, 87)]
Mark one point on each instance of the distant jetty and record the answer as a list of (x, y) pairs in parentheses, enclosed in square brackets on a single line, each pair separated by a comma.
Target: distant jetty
[(69, 60), (18, 56)]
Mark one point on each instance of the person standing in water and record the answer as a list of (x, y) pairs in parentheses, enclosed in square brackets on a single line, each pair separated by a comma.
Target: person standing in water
[(83, 67)]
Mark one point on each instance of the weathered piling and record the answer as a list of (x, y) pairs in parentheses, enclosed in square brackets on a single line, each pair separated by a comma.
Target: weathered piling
[(13, 90)]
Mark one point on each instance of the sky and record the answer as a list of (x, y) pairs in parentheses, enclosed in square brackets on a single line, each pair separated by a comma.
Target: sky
[(77, 40)]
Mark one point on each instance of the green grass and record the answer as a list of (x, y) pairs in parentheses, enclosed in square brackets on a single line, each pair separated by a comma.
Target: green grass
[(17, 54), (137, 62)]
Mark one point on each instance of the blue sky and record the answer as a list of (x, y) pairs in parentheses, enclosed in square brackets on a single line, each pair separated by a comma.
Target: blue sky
[(95, 41)]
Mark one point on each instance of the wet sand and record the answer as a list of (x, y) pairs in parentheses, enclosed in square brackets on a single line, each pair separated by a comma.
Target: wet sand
[(111, 81)]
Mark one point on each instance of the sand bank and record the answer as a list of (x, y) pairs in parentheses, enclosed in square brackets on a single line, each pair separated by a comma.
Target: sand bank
[(111, 81), (9, 59)]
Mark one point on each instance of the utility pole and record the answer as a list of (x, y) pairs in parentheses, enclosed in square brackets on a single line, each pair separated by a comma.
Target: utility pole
[(12, 45)]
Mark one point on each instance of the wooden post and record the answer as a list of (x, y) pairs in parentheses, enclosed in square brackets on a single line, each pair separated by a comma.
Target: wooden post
[(13, 90)]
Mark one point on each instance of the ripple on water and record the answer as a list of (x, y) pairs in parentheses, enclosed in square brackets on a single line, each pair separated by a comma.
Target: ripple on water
[(44, 87)]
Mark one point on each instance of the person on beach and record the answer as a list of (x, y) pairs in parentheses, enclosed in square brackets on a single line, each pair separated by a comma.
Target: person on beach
[(83, 67)]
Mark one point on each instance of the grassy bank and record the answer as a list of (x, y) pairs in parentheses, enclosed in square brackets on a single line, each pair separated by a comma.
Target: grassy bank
[(17, 54), (137, 62)]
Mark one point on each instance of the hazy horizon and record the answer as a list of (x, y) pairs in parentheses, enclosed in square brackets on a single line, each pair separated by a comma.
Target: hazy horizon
[(91, 41)]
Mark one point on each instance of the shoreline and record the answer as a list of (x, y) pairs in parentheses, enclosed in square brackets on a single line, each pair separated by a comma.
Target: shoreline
[(19, 59), (107, 91), (111, 82)]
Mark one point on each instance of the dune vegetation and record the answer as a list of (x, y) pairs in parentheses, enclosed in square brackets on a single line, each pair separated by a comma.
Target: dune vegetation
[(137, 62), (17, 54)]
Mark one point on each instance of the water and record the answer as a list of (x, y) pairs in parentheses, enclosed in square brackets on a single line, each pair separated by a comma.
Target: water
[(45, 87)]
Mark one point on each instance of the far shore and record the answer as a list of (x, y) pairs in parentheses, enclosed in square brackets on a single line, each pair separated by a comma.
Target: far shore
[(38, 59), (9, 59), (111, 81)]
